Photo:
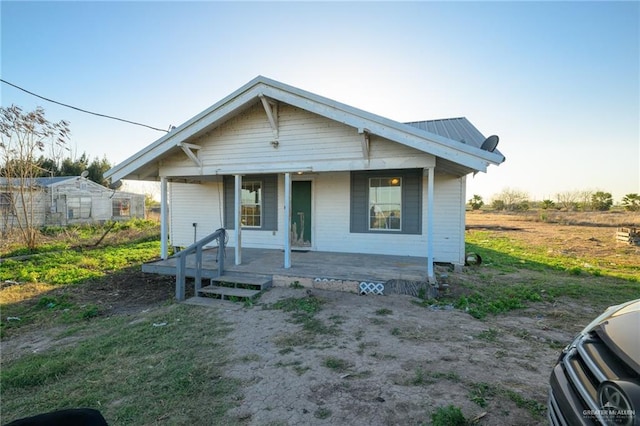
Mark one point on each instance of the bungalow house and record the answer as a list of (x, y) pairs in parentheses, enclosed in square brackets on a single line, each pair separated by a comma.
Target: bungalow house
[(281, 168), (62, 201)]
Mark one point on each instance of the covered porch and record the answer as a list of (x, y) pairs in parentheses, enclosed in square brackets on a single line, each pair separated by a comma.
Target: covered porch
[(314, 269)]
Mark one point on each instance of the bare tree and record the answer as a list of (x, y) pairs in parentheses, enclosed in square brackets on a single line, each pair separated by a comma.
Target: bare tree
[(24, 136), (511, 199), (585, 196), (568, 199)]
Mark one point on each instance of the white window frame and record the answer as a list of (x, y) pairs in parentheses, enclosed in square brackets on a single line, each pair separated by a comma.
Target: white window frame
[(375, 205), (248, 185)]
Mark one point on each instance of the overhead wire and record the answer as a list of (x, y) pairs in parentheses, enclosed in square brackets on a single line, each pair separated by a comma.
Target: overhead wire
[(80, 109)]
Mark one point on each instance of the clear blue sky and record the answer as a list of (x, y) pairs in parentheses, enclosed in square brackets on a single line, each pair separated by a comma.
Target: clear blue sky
[(557, 81)]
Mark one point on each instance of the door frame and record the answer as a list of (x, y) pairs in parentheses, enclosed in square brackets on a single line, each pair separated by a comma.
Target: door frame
[(310, 179)]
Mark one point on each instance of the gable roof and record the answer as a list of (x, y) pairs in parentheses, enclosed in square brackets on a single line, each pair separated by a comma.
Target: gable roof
[(468, 157), (52, 182), (457, 129), (42, 182)]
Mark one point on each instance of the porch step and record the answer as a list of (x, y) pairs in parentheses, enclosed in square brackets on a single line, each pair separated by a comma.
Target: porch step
[(236, 285), (228, 292), (248, 281)]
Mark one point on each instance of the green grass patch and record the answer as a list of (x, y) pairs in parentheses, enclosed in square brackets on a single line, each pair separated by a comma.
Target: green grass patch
[(42, 295), (322, 413), (448, 416), (132, 371), (508, 255), (490, 335), (303, 312), (482, 393), (513, 276), (337, 364), (74, 266), (299, 305)]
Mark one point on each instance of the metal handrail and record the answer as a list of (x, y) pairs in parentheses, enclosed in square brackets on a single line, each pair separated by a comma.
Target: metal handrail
[(181, 264)]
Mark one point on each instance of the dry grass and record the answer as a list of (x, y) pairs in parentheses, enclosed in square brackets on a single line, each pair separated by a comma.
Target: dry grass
[(581, 235), (613, 218)]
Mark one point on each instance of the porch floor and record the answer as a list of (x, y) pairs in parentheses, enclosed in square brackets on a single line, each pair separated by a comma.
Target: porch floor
[(304, 264)]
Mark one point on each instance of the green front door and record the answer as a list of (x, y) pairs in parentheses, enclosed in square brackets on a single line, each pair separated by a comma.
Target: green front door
[(301, 213)]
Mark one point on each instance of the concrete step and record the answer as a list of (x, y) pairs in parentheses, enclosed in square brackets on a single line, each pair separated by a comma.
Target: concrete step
[(228, 292), (248, 281)]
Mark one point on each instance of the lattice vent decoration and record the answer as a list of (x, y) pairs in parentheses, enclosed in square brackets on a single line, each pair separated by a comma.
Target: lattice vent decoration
[(371, 288)]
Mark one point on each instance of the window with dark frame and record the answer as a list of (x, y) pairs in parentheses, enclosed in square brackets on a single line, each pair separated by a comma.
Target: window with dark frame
[(261, 215), (386, 201)]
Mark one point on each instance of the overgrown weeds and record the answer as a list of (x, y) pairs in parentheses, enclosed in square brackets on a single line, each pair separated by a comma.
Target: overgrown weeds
[(449, 415)]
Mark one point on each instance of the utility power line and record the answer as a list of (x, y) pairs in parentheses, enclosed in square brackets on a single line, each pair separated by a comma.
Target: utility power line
[(80, 109)]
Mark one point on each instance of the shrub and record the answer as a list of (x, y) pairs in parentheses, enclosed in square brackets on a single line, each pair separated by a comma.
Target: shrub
[(601, 201), (476, 202), (547, 204), (631, 202), (448, 416)]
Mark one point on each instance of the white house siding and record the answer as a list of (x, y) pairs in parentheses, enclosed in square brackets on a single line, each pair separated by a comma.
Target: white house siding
[(329, 149), (305, 142), (448, 226), (331, 222), (200, 203), (194, 203)]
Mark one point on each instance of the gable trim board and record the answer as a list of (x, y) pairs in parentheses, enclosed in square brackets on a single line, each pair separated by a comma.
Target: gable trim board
[(269, 132)]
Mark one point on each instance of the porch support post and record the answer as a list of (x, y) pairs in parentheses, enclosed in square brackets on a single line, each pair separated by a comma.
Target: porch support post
[(164, 221), (430, 207), (287, 220), (238, 218)]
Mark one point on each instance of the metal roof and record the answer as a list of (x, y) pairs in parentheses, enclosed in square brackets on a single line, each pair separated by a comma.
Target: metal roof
[(39, 181), (458, 129)]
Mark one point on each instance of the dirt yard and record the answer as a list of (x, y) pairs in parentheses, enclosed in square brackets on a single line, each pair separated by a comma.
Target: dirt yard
[(375, 360)]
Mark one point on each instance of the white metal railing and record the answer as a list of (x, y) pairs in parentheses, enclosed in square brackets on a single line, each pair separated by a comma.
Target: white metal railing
[(181, 264)]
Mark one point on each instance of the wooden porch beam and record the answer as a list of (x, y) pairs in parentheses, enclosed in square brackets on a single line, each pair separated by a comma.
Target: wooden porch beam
[(238, 218), (187, 149), (365, 142), (271, 109), (164, 218), (430, 207), (287, 220)]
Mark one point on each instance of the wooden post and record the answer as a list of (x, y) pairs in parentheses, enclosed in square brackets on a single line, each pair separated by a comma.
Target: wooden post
[(221, 238), (164, 250), (287, 220), (198, 277), (238, 218), (430, 206), (180, 277)]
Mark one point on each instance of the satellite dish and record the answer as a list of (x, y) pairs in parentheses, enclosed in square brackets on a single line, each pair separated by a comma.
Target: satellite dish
[(490, 143), (84, 174), (115, 185)]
